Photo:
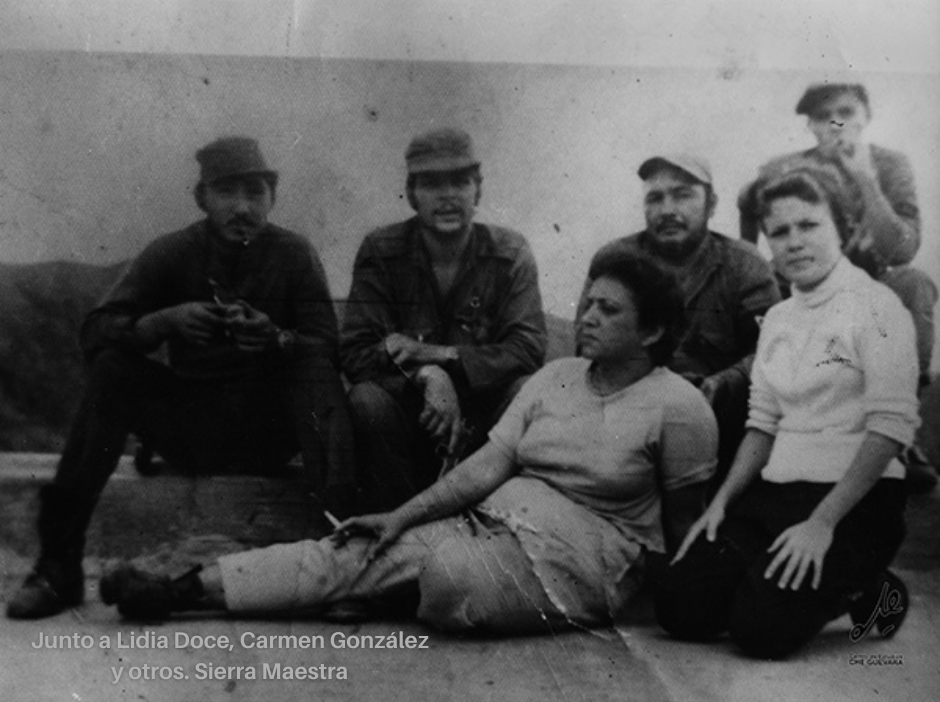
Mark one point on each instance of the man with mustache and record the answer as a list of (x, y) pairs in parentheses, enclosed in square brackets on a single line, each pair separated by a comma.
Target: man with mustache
[(883, 212), (726, 284), (251, 375), (443, 324)]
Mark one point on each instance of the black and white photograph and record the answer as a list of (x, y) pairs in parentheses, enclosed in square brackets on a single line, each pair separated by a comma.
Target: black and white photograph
[(469, 349)]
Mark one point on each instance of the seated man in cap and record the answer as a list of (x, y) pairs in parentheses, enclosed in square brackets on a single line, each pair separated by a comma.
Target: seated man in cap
[(444, 323), (251, 336), (885, 218), (727, 286)]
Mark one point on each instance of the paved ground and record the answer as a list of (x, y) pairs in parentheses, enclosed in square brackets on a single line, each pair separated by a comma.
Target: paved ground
[(634, 661)]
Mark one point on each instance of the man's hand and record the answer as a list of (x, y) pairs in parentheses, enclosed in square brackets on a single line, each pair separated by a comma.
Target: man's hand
[(199, 323), (856, 160), (252, 330), (407, 353), (799, 547), (441, 414), (711, 385)]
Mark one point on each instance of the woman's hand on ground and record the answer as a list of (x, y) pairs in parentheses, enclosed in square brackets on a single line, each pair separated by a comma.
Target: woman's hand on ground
[(708, 522), (798, 548), (384, 528)]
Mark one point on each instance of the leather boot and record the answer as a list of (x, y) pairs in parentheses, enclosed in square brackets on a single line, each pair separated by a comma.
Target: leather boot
[(142, 596), (57, 581)]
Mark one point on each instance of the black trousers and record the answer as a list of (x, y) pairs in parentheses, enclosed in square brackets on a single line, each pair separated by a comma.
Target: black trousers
[(250, 422), (730, 405), (720, 586), (397, 458)]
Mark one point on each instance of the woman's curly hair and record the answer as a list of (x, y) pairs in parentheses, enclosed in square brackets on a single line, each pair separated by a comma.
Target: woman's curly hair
[(656, 294)]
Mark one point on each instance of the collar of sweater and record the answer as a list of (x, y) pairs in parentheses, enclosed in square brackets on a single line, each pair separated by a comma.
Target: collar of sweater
[(843, 275)]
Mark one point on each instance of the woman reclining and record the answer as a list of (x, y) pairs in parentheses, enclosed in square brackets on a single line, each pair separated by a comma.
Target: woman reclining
[(546, 526)]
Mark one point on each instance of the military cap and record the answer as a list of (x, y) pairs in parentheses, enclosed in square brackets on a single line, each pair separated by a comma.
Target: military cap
[(231, 157), (694, 166), (440, 150), (819, 93)]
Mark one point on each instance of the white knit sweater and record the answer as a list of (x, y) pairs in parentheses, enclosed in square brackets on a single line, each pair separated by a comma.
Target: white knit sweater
[(832, 365)]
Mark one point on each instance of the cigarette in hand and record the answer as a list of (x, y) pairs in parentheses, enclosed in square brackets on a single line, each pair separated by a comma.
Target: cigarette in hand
[(332, 520)]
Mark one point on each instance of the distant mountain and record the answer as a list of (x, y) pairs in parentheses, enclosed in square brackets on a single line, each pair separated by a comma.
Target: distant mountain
[(41, 374), (41, 369)]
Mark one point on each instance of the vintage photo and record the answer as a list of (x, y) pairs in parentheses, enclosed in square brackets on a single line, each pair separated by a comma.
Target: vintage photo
[(469, 351)]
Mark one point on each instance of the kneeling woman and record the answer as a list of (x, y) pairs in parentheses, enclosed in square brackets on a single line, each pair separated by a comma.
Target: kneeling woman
[(811, 513), (547, 525)]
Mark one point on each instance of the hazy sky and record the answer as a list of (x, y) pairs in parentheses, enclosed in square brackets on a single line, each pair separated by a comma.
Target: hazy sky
[(103, 103)]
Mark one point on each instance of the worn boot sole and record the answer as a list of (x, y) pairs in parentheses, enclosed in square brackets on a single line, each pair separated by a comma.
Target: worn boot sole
[(38, 598)]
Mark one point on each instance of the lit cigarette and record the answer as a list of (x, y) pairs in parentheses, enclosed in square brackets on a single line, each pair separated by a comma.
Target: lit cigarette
[(333, 520)]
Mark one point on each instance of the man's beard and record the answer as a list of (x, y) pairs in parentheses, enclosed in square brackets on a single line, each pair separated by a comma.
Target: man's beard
[(678, 251)]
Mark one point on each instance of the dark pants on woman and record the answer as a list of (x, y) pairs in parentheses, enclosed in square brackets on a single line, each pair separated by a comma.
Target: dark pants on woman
[(720, 586)]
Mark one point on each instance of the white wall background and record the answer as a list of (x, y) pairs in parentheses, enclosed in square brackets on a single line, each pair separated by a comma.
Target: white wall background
[(102, 104)]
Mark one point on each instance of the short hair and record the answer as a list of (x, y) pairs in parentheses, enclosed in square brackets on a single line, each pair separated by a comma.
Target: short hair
[(816, 185), (819, 93), (473, 171), (657, 295)]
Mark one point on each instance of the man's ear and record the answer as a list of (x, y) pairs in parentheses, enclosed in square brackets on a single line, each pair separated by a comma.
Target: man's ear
[(651, 337), (199, 194), (712, 203)]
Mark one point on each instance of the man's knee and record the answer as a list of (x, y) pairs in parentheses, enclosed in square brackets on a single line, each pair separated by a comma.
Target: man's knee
[(113, 364), (314, 376), (117, 376), (372, 404)]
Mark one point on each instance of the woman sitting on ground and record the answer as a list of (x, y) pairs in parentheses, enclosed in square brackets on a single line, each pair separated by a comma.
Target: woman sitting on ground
[(546, 526), (810, 516)]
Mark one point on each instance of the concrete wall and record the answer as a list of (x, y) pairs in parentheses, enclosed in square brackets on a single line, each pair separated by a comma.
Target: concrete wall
[(102, 110)]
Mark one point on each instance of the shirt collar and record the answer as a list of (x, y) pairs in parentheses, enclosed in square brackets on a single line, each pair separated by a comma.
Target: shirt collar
[(482, 243), (842, 275)]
